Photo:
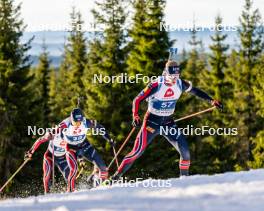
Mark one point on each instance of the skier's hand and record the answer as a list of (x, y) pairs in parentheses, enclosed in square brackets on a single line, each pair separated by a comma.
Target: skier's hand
[(28, 155), (82, 163), (136, 121), (112, 143), (217, 104)]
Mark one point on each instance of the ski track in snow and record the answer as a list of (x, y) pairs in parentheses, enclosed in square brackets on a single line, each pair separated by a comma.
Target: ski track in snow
[(234, 191)]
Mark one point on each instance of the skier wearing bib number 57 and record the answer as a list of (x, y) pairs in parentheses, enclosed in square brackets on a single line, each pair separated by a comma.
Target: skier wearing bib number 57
[(162, 96)]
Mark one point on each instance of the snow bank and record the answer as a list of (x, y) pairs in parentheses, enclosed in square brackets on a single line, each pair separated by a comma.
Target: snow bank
[(235, 191)]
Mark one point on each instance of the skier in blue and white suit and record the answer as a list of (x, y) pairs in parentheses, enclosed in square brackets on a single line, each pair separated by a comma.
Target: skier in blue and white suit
[(74, 130)]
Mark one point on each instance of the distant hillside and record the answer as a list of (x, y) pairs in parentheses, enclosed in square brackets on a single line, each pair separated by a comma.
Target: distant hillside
[(55, 41)]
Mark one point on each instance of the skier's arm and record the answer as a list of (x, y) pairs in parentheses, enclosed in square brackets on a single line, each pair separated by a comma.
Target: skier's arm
[(62, 125), (187, 87), (94, 124), (144, 94), (47, 137), (40, 141)]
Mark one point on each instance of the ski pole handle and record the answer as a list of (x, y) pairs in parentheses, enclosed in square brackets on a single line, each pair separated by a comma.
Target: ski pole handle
[(195, 114), (9, 180), (120, 149)]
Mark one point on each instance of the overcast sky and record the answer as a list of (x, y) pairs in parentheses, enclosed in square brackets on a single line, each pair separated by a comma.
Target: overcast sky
[(54, 14)]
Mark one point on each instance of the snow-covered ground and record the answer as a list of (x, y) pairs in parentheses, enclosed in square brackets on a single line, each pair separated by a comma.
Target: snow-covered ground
[(242, 191)]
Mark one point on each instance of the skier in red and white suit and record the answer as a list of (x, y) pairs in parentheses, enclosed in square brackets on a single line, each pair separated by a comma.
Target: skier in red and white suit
[(162, 96), (57, 144)]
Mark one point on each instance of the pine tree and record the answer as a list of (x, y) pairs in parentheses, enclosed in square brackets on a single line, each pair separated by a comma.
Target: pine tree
[(149, 45), (52, 102), (148, 48), (15, 97), (76, 53), (252, 45), (194, 72), (184, 59), (107, 102), (243, 76), (216, 150), (218, 60), (69, 84), (41, 87), (58, 98), (195, 64), (40, 107), (258, 142), (251, 36)]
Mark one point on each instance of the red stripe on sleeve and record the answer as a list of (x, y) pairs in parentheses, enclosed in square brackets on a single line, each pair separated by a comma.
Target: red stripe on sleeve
[(38, 143), (142, 96)]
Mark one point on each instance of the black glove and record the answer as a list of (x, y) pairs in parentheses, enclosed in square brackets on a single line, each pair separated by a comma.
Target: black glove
[(112, 143), (136, 121), (28, 155), (217, 104)]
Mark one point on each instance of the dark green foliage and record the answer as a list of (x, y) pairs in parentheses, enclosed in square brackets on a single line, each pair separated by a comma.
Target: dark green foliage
[(195, 66), (258, 142), (218, 89), (107, 102), (15, 97), (243, 77), (234, 77), (70, 85), (42, 88), (149, 45)]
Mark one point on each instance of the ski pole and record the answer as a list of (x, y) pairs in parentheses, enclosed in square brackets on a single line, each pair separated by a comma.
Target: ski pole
[(117, 164), (9, 180), (195, 114), (129, 135), (80, 172), (53, 165), (82, 165)]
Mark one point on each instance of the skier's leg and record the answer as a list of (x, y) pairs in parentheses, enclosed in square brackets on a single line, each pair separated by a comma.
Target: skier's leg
[(73, 166), (179, 142), (94, 178), (89, 153), (62, 165), (146, 134), (47, 168)]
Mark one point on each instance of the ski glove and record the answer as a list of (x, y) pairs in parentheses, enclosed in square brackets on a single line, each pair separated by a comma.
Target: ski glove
[(112, 143), (28, 155), (82, 163), (136, 121), (217, 104)]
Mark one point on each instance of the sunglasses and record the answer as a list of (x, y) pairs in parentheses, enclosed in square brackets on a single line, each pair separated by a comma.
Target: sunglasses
[(76, 123), (173, 70)]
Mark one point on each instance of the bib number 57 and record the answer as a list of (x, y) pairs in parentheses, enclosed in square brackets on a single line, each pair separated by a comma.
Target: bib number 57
[(168, 104)]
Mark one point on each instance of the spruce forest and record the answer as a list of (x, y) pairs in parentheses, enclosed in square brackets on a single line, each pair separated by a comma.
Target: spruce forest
[(43, 95)]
